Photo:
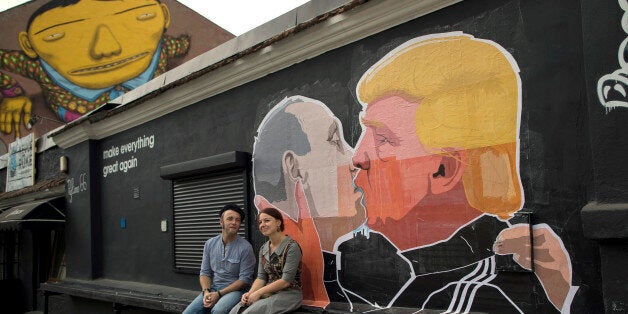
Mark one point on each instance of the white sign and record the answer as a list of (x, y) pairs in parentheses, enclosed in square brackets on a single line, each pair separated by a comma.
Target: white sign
[(21, 165)]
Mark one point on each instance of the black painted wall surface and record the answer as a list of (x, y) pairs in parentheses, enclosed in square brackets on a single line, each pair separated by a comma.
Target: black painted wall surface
[(572, 149), (602, 36), (83, 217), (606, 216)]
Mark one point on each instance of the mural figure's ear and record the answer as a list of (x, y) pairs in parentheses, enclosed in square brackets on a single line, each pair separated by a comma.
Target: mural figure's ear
[(25, 43), (164, 8), (448, 171), (290, 165)]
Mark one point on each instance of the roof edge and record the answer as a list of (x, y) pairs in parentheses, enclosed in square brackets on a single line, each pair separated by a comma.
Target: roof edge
[(229, 66)]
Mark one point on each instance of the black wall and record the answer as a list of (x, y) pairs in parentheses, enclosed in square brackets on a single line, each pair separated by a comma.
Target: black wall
[(572, 150), (83, 216), (602, 35), (606, 216)]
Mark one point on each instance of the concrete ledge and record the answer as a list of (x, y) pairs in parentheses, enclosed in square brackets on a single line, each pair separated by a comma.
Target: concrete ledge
[(133, 294), (128, 295), (605, 221)]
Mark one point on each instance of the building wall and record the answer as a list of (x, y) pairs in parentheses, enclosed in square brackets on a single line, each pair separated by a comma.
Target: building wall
[(35, 243), (472, 128), (38, 92), (605, 217)]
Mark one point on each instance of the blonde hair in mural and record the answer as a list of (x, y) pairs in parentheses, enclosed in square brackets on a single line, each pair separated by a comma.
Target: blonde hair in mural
[(469, 95)]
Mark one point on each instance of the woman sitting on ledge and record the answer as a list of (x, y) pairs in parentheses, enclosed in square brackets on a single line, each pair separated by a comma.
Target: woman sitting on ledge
[(277, 288)]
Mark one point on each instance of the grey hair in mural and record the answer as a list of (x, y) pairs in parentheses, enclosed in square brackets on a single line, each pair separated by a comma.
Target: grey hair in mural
[(612, 88), (279, 132)]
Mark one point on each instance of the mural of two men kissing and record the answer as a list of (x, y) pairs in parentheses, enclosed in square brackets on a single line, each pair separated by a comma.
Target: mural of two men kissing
[(420, 214)]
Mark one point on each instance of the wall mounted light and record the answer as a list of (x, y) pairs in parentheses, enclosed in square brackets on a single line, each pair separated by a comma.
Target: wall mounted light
[(36, 118), (63, 164)]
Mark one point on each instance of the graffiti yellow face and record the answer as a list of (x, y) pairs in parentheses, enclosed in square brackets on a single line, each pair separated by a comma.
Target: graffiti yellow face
[(95, 43)]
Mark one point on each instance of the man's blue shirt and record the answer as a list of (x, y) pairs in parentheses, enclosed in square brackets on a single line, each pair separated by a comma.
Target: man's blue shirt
[(228, 263)]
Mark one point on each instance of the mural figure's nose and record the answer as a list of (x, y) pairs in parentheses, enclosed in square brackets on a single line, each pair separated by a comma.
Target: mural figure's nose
[(361, 160), (104, 43)]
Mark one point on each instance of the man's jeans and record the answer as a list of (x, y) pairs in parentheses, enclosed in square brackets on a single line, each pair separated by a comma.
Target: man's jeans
[(223, 306)]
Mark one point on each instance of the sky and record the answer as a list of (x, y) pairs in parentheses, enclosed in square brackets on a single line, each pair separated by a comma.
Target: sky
[(236, 16)]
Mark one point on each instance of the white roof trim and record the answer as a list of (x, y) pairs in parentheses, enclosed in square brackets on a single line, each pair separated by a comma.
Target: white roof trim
[(365, 20)]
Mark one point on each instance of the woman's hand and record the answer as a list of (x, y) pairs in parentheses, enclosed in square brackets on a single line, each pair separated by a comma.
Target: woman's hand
[(250, 298), (253, 297), (245, 298), (253, 294)]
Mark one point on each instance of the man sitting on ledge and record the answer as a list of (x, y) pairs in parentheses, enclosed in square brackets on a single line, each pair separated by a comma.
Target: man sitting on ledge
[(227, 266)]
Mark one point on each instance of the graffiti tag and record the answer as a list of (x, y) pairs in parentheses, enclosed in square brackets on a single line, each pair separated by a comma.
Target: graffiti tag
[(612, 88), (81, 186)]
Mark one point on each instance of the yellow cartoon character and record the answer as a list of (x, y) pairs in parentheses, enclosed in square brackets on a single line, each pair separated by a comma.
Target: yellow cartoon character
[(84, 53)]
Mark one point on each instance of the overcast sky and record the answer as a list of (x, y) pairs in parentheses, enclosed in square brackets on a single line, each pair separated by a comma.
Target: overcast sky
[(236, 16)]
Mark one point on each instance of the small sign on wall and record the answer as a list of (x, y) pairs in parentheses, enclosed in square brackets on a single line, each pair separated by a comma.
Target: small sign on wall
[(21, 165)]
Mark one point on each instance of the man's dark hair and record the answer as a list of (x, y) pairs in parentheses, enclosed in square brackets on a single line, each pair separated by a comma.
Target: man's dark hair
[(234, 207)]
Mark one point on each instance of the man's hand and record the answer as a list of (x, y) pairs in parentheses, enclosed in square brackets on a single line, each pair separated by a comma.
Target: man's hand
[(13, 111), (210, 298), (551, 261)]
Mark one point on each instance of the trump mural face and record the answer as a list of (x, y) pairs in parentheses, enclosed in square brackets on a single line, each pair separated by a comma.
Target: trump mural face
[(439, 143), (395, 168), (403, 181)]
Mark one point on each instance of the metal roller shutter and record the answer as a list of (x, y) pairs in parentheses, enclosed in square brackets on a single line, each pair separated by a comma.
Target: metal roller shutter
[(197, 203)]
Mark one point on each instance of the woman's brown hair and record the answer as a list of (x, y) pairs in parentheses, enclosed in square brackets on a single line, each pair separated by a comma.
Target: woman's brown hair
[(273, 212)]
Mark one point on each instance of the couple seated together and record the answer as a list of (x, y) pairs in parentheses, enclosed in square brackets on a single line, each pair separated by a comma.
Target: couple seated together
[(227, 268)]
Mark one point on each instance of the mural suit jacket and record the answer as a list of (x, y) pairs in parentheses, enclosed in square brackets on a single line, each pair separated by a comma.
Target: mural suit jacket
[(461, 274), (63, 102)]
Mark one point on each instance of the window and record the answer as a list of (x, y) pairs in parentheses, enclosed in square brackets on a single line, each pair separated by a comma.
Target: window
[(200, 189), (9, 255), (57, 268)]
